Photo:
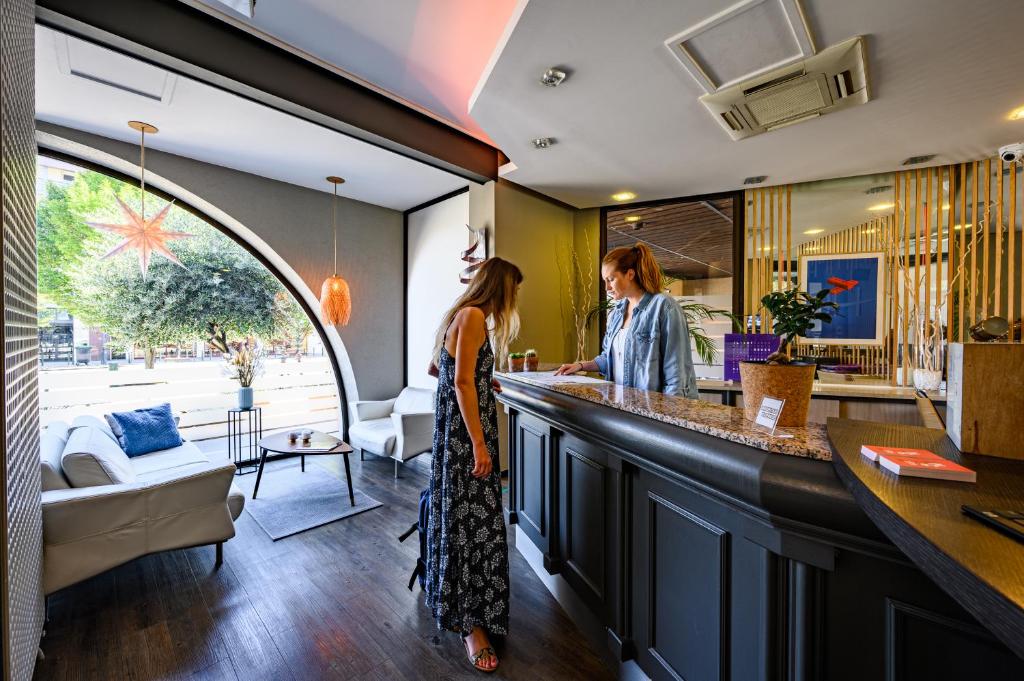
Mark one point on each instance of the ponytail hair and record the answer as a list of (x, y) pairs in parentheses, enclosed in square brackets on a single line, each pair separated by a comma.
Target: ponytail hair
[(639, 259)]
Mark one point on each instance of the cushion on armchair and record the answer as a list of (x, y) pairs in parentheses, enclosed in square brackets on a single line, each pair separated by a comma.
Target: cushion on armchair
[(147, 430), (414, 401), (51, 449)]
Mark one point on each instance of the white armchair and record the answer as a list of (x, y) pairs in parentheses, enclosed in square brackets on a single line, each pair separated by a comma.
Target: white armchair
[(400, 428)]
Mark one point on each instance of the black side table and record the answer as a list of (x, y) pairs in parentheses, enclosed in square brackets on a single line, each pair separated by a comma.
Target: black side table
[(242, 442)]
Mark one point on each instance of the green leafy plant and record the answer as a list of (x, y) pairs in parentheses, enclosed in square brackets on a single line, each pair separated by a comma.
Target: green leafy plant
[(794, 313)]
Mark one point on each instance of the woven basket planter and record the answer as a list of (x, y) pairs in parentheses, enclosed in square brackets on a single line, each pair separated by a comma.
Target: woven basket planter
[(790, 382)]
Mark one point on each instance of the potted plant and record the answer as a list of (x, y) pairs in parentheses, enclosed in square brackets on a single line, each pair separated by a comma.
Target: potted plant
[(794, 313), (516, 360), (244, 365), (532, 361)]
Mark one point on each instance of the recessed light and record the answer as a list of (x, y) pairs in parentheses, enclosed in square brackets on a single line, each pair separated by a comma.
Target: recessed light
[(632, 218), (882, 206), (542, 142), (817, 230), (869, 231), (945, 206), (755, 179), (766, 248), (623, 196), (553, 77), (959, 227), (1017, 115)]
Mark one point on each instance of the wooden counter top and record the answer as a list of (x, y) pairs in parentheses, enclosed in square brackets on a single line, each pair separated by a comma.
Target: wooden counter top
[(979, 567)]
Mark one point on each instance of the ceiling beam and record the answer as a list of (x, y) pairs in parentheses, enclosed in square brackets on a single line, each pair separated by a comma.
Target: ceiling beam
[(189, 42)]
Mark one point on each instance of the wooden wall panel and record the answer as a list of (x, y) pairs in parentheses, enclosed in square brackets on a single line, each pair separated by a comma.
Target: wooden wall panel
[(951, 248)]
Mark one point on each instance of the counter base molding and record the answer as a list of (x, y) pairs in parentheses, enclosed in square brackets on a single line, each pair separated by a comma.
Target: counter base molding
[(704, 558)]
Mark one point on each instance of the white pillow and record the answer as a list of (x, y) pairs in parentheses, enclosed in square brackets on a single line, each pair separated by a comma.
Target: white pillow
[(92, 458), (88, 421), (51, 449)]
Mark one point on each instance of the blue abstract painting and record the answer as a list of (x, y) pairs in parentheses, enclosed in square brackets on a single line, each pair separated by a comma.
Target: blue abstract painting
[(855, 285)]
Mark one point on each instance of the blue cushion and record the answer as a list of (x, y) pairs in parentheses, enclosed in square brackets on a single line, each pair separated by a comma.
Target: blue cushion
[(147, 430)]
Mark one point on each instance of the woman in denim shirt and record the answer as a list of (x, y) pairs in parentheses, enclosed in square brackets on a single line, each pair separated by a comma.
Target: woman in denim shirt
[(647, 344)]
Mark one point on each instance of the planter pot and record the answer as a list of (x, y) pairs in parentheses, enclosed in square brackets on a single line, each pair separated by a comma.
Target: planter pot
[(532, 363), (245, 398), (83, 353), (790, 382), (926, 379), (516, 363)]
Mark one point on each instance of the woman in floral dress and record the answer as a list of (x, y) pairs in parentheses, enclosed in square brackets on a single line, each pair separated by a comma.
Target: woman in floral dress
[(467, 582)]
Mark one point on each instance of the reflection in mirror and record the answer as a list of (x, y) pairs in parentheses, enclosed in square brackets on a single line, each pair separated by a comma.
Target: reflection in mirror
[(693, 242)]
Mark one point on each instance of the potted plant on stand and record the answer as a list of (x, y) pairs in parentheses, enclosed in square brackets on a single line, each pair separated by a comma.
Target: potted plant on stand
[(794, 313), (244, 365)]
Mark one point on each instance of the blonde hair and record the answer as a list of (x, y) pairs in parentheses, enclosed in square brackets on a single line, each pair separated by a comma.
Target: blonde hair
[(639, 259), (494, 288)]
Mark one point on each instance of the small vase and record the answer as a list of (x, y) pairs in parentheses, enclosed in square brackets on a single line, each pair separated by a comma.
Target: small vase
[(245, 397), (516, 364), (927, 379)]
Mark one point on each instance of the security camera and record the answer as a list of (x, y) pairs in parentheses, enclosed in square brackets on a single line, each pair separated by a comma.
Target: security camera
[(1012, 153)]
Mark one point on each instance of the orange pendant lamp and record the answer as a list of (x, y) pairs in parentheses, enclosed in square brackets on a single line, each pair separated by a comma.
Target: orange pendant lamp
[(335, 301)]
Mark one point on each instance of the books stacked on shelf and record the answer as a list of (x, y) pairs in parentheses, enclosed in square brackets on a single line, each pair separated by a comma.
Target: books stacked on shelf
[(918, 463)]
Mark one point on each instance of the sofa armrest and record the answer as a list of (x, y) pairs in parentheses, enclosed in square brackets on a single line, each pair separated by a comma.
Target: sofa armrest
[(365, 410), (73, 514), (414, 433)]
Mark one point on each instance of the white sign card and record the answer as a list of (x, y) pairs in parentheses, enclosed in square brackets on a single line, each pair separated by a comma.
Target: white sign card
[(769, 413)]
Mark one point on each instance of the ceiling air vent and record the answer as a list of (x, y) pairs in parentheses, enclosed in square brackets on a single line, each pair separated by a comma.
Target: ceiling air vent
[(914, 160), (833, 79)]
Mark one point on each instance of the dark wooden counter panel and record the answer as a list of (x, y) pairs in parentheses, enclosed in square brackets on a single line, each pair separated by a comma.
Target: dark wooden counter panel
[(707, 558)]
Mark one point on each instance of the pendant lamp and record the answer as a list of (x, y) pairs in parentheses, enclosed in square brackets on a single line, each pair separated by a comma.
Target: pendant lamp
[(335, 301)]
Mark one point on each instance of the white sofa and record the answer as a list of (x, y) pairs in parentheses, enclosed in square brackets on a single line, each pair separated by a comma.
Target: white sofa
[(102, 509), (400, 428)]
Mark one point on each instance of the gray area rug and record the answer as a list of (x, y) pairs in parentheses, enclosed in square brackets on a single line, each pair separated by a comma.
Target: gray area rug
[(291, 501)]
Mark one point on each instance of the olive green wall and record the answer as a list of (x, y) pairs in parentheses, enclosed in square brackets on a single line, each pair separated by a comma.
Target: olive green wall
[(532, 231)]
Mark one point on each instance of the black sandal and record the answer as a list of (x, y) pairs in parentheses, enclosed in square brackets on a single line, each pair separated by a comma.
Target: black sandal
[(474, 659)]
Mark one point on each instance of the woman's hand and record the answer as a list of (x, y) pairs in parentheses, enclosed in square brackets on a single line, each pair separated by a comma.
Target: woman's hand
[(432, 369), (569, 369), (495, 385), (482, 461)]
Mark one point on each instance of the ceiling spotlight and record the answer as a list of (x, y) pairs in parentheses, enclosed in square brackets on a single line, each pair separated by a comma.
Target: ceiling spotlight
[(543, 142), (631, 218), (1017, 115), (755, 179), (553, 77), (623, 196), (882, 206), (914, 160), (816, 230)]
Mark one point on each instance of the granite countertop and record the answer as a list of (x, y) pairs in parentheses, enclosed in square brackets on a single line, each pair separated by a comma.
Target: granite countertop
[(810, 441), (838, 386)]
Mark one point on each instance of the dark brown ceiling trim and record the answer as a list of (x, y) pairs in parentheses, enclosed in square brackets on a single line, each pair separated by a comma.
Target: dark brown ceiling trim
[(183, 39), (436, 200)]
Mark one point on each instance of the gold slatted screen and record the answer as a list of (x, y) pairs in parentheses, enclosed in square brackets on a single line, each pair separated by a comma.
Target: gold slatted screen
[(952, 249)]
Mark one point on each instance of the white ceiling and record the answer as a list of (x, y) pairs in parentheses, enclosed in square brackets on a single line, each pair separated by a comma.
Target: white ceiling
[(944, 75), (207, 124), (428, 52)]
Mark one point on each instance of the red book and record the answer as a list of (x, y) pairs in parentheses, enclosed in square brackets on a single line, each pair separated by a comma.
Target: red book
[(874, 451), (927, 465)]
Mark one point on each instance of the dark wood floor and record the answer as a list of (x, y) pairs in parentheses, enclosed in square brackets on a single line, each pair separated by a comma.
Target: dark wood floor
[(330, 603)]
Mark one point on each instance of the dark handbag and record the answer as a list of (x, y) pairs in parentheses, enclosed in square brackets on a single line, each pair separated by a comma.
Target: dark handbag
[(421, 563)]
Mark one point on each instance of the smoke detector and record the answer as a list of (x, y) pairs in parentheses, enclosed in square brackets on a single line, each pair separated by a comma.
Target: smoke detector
[(553, 77), (832, 80)]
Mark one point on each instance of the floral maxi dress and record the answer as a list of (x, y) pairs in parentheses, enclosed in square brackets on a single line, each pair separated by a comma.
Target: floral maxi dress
[(467, 552)]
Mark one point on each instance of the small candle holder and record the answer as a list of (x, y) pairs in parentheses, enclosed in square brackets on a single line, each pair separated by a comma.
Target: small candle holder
[(293, 435)]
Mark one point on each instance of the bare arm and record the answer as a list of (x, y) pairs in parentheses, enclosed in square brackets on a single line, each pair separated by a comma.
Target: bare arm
[(575, 367), (468, 333)]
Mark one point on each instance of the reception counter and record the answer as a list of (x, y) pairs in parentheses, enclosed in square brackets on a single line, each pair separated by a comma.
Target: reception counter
[(704, 548)]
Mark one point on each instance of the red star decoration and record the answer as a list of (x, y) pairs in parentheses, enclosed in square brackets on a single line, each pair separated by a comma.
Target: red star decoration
[(146, 236)]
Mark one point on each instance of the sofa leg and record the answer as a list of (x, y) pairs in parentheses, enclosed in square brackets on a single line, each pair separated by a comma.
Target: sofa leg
[(361, 455), (396, 468), (220, 554)]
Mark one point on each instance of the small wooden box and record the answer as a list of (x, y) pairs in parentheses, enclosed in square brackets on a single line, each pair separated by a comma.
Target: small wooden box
[(985, 398)]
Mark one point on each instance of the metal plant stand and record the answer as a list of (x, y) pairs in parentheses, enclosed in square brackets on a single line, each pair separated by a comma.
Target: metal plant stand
[(243, 439)]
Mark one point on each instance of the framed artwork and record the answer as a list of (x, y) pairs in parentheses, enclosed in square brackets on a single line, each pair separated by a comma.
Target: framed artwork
[(475, 254), (856, 282)]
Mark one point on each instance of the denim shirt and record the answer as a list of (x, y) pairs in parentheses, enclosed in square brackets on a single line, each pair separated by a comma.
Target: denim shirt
[(657, 348)]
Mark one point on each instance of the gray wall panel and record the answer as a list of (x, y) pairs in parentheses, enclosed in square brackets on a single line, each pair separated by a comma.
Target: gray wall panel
[(22, 530)]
